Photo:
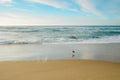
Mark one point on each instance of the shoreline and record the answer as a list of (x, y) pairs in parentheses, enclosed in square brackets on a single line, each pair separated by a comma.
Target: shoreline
[(106, 52), (62, 43), (44, 61)]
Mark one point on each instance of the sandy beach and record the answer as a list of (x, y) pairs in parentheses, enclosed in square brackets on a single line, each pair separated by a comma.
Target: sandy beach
[(55, 62), (60, 70)]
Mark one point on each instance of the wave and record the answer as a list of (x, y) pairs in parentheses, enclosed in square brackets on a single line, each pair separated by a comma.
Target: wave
[(106, 39), (41, 35)]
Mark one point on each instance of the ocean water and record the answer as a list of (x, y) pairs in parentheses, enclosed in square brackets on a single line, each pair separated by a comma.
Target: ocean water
[(58, 42), (59, 34)]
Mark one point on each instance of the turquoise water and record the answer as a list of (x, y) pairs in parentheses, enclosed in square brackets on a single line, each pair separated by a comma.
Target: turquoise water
[(59, 34)]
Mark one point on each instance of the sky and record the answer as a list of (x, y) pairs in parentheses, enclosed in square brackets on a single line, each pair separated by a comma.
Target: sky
[(59, 12)]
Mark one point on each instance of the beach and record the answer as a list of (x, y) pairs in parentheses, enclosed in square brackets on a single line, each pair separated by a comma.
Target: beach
[(92, 61), (59, 40), (58, 53), (60, 70)]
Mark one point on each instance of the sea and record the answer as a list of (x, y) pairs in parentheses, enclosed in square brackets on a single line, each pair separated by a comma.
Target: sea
[(44, 43), (59, 34)]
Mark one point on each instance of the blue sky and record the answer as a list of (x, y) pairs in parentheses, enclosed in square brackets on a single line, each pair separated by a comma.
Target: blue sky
[(59, 12)]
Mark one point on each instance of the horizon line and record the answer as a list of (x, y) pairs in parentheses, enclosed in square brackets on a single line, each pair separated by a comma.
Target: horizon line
[(51, 25)]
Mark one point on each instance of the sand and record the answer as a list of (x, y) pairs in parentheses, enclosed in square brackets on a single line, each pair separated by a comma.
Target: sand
[(60, 70)]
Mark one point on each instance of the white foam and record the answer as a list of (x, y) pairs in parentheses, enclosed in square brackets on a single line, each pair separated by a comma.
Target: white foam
[(107, 39)]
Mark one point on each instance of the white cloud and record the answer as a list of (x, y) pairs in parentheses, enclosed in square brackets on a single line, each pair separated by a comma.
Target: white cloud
[(88, 7), (63, 4), (6, 1)]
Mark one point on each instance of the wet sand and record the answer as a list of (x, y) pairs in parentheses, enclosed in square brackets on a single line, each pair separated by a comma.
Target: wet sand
[(92, 51), (60, 70)]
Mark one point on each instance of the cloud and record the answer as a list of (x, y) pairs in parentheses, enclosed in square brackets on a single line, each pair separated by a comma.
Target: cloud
[(88, 7), (6, 1), (62, 4)]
